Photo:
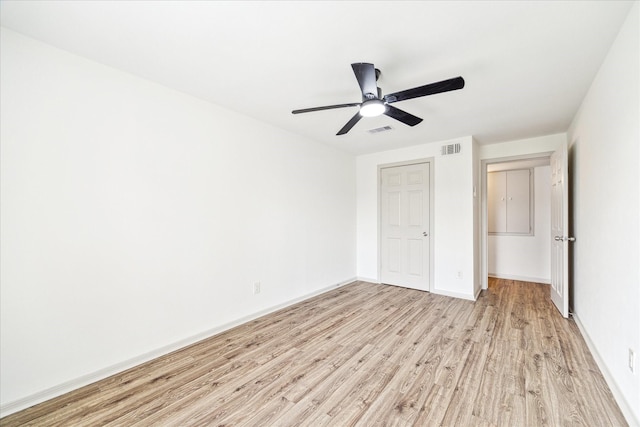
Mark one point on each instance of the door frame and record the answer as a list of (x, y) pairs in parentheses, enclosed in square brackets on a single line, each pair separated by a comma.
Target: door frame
[(430, 161), (484, 213)]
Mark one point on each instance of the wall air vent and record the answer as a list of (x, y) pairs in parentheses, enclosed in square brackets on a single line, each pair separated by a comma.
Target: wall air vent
[(450, 149), (378, 130)]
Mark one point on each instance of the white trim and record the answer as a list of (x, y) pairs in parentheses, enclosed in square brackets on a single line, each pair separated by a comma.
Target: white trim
[(477, 294), (60, 389), (617, 395), (367, 279), (520, 278), (469, 297), (434, 291), (484, 228)]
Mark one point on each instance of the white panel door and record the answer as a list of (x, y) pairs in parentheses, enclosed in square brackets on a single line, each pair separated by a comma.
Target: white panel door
[(404, 226), (559, 231)]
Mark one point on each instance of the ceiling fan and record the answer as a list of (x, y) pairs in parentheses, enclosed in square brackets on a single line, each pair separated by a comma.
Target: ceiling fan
[(374, 104)]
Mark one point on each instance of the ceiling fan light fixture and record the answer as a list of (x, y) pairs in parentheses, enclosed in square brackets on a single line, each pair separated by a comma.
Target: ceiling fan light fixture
[(372, 108)]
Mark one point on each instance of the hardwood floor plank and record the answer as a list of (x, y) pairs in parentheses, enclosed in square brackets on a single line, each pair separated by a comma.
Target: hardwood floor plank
[(364, 355), (467, 388), (307, 407)]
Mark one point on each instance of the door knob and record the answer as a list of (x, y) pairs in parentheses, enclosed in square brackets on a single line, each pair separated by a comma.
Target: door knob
[(557, 239), (425, 234)]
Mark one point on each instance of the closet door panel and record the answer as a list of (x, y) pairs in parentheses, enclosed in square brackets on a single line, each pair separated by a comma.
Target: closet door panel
[(518, 201), (496, 202)]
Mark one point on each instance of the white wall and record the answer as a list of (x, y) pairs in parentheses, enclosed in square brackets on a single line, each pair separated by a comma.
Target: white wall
[(453, 214), (604, 156), (135, 217), (527, 258)]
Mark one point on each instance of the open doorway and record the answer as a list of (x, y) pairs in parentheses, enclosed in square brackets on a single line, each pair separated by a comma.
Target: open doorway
[(515, 239)]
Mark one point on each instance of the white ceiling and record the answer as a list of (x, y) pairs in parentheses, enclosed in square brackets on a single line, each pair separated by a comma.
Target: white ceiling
[(527, 64)]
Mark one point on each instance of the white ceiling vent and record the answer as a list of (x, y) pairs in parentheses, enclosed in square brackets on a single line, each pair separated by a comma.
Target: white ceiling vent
[(450, 149), (382, 129)]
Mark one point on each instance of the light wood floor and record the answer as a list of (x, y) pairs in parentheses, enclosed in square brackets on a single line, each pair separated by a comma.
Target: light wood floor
[(368, 355)]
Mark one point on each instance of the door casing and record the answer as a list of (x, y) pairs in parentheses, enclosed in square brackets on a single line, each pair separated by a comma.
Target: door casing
[(484, 213)]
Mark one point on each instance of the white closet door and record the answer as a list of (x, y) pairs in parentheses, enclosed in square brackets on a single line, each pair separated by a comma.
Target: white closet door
[(497, 201), (404, 226)]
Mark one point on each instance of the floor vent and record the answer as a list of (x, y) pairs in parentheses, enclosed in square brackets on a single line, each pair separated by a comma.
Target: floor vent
[(378, 130), (450, 149)]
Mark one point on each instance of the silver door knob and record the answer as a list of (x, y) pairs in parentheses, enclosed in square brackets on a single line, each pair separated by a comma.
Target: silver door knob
[(563, 239), (425, 234)]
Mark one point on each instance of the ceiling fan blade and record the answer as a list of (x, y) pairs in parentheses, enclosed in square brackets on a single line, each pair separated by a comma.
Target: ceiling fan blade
[(351, 123), (327, 107), (366, 76), (430, 89), (403, 116)]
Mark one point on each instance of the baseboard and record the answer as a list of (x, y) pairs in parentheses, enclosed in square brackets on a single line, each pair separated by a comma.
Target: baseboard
[(469, 297), (618, 396), (520, 278), (435, 291), (55, 391)]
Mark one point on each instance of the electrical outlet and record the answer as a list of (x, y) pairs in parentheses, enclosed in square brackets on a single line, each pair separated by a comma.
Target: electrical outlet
[(459, 274), (632, 361), (256, 288)]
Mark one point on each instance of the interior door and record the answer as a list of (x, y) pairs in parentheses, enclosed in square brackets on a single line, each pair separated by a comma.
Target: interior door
[(559, 231), (404, 226)]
